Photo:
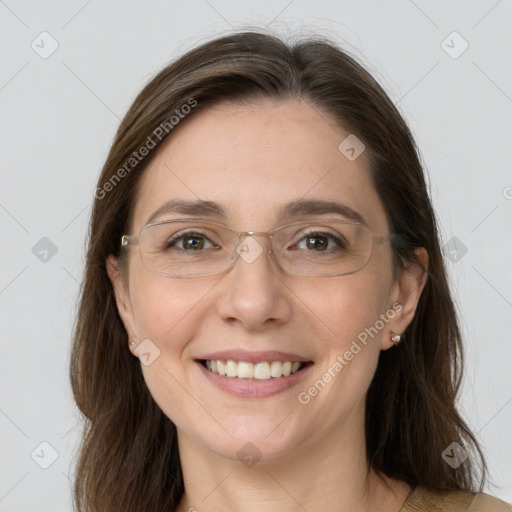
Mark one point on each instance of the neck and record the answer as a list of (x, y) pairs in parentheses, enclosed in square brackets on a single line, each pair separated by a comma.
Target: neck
[(328, 475)]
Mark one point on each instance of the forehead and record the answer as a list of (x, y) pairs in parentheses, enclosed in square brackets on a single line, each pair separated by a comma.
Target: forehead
[(254, 158)]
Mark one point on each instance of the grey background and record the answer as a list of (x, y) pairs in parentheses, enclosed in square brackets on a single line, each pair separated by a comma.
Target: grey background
[(58, 117)]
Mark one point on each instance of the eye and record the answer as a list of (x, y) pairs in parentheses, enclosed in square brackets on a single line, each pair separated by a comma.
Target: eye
[(191, 241), (321, 241)]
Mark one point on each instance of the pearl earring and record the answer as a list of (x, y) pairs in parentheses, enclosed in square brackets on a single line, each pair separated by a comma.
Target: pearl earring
[(395, 339)]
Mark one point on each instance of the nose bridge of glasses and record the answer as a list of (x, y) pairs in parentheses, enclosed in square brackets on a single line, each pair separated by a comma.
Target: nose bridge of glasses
[(243, 235)]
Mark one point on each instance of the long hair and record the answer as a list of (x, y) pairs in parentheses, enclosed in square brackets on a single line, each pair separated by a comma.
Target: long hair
[(128, 459)]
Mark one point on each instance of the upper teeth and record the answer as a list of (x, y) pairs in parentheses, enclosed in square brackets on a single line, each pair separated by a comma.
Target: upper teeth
[(261, 371)]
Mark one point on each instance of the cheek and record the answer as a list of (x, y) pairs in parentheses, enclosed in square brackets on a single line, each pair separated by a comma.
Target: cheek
[(347, 306), (348, 312), (167, 313), (164, 309)]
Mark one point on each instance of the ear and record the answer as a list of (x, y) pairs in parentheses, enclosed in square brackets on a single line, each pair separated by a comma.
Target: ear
[(406, 293), (122, 298)]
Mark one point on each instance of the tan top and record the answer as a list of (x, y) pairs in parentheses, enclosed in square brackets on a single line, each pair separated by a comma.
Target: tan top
[(425, 500)]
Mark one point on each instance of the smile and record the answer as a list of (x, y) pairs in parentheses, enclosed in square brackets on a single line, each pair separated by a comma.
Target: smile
[(254, 374), (263, 370)]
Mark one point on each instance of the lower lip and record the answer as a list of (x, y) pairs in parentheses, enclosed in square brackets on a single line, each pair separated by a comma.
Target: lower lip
[(253, 388)]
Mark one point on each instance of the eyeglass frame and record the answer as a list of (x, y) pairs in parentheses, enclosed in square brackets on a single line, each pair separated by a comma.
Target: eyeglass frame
[(133, 240)]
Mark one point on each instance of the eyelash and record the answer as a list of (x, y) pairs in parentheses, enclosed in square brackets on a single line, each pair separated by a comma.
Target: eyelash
[(176, 238), (337, 240)]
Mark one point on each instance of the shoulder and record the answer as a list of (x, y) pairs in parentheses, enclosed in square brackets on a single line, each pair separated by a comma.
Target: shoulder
[(422, 499)]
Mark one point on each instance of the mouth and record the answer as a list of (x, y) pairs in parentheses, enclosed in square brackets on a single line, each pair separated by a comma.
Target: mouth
[(253, 380), (259, 371), (253, 374)]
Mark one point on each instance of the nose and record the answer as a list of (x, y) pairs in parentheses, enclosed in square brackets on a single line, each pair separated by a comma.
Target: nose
[(253, 291)]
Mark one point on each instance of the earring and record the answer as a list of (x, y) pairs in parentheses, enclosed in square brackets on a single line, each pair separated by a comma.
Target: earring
[(395, 339), (132, 342)]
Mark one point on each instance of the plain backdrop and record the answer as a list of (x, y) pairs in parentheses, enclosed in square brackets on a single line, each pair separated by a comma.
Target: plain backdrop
[(69, 71)]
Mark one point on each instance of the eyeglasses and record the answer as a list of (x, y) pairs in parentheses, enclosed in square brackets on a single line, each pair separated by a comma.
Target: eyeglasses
[(199, 248)]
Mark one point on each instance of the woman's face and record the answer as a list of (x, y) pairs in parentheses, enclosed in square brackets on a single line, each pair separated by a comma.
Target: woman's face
[(252, 160)]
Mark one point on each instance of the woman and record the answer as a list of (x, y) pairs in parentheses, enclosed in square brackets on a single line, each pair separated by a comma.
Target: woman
[(265, 321)]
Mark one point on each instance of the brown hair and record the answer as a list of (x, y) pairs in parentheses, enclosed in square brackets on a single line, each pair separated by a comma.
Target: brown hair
[(128, 459)]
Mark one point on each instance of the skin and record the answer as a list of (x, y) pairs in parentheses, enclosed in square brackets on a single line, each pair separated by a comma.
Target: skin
[(253, 158)]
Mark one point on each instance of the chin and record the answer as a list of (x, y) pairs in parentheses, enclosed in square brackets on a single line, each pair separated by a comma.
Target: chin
[(250, 439)]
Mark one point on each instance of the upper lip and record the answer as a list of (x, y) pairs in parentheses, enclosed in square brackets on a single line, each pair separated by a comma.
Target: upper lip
[(253, 357)]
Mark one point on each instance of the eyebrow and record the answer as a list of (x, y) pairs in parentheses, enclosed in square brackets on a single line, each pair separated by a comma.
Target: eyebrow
[(202, 208)]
